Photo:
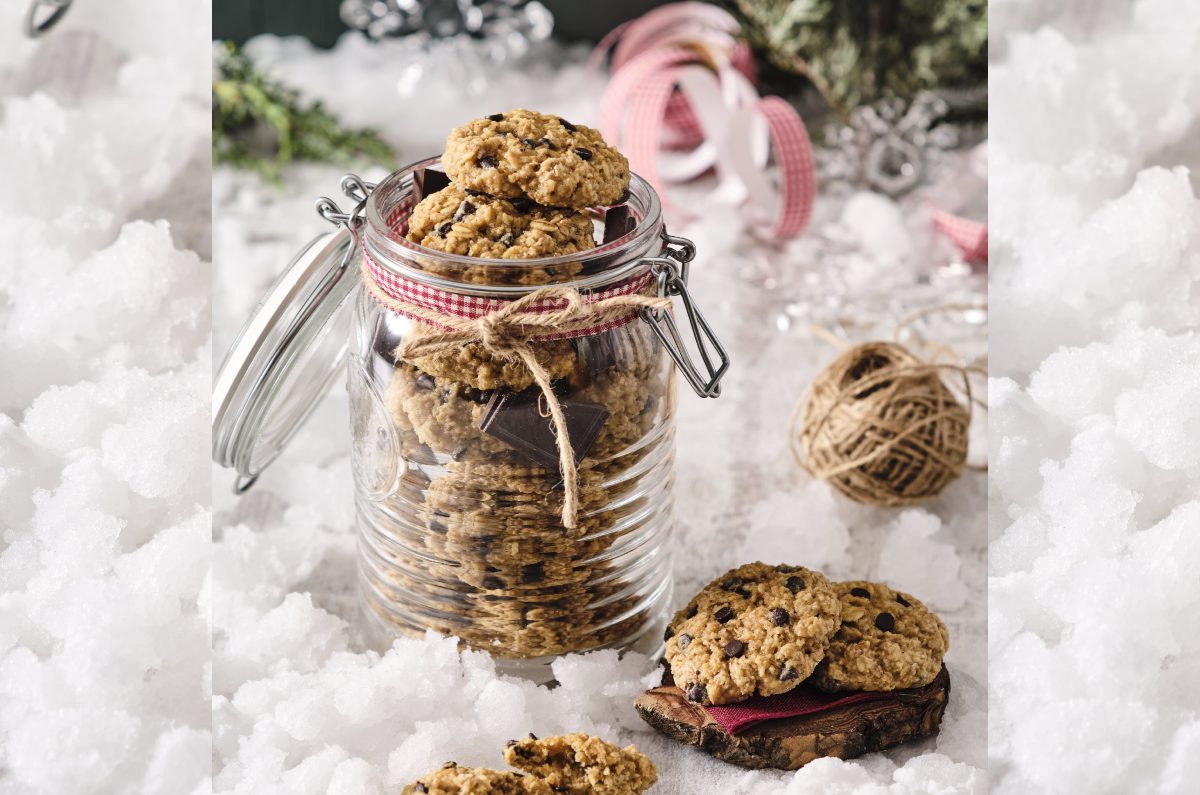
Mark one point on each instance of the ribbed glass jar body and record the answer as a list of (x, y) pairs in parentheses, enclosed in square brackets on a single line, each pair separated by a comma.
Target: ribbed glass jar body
[(459, 530)]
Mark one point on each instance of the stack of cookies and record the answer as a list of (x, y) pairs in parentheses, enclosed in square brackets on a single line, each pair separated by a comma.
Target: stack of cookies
[(571, 764), (762, 630), (775, 666), (472, 543)]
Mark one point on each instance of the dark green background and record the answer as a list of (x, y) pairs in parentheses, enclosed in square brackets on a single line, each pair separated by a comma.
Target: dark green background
[(318, 20)]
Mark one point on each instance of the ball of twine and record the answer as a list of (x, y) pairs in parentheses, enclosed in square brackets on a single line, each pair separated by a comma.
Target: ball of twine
[(883, 428)]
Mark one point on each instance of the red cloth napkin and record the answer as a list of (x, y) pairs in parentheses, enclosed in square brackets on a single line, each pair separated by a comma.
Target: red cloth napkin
[(804, 700)]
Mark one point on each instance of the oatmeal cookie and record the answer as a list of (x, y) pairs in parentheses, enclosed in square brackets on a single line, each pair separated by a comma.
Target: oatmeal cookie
[(756, 630), (578, 764), (548, 159), (888, 640), (454, 780), (471, 364), (476, 225)]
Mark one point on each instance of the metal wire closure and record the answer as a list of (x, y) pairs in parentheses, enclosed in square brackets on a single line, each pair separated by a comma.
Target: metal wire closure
[(672, 274), (671, 271), (35, 27)]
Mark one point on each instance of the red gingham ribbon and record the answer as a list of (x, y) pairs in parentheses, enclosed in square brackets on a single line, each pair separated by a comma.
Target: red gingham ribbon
[(643, 111), (409, 291)]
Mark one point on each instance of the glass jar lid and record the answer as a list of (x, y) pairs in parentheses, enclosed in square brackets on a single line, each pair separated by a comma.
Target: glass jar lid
[(285, 358)]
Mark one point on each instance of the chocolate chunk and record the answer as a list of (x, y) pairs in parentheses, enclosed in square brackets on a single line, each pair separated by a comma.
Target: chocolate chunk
[(618, 222), (532, 573), (734, 648), (444, 229), (516, 418), (795, 584), (696, 693), (902, 600), (522, 204), (885, 622), (684, 641), (425, 381), (584, 154), (780, 617), (496, 117), (788, 674), (724, 614), (567, 124), (863, 592), (427, 181), (487, 161), (668, 633), (464, 209)]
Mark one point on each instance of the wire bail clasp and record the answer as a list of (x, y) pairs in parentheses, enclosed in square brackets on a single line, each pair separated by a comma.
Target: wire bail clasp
[(43, 15), (671, 271)]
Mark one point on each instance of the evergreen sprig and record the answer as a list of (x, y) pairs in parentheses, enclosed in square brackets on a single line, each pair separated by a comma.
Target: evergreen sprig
[(856, 52), (261, 125)]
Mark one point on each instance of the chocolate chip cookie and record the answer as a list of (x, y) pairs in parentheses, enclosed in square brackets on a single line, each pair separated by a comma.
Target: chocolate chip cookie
[(454, 780), (578, 764), (476, 225), (473, 365), (546, 158), (888, 640), (756, 630)]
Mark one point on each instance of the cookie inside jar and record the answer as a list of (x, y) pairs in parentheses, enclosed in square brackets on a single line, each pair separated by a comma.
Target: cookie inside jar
[(471, 539)]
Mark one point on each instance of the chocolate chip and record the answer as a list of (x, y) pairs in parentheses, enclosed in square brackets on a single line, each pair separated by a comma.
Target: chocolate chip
[(496, 117), (795, 584), (471, 192), (736, 586), (696, 693), (783, 568), (684, 641), (532, 736), (532, 573), (567, 124), (547, 143), (464, 209), (723, 615), (532, 144), (693, 609), (734, 648), (448, 765), (902, 600), (863, 592), (668, 633), (521, 204), (492, 583), (510, 743), (788, 674), (625, 194), (780, 617), (885, 622), (438, 527), (444, 229), (425, 381), (584, 154), (487, 161)]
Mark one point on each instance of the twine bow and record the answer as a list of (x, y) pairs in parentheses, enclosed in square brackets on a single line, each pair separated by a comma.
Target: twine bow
[(510, 333)]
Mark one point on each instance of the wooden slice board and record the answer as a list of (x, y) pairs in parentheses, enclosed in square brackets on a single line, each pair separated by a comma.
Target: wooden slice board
[(790, 743)]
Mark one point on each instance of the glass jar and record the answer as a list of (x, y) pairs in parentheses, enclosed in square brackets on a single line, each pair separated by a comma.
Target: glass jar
[(459, 491)]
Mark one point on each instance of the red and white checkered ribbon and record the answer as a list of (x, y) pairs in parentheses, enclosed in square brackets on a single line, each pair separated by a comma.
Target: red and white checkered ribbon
[(404, 291), (683, 84)]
